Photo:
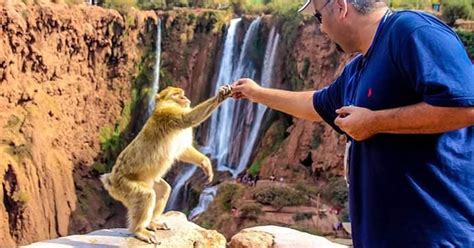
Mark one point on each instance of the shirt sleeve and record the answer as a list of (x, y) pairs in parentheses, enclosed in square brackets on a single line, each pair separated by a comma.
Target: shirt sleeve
[(436, 64), (327, 100)]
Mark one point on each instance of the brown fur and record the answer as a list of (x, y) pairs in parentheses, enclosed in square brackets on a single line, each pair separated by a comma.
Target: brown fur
[(136, 179)]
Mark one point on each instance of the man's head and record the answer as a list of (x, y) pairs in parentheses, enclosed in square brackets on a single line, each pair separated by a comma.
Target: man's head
[(342, 19), (361, 6)]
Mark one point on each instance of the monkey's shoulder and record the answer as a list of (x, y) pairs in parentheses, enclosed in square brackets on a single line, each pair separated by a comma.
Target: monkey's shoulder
[(171, 110), (169, 115)]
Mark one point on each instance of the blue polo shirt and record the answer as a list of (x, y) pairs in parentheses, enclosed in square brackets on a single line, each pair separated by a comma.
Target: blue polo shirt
[(409, 190)]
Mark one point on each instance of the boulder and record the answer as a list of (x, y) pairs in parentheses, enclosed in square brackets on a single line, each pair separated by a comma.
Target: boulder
[(183, 234), (278, 237)]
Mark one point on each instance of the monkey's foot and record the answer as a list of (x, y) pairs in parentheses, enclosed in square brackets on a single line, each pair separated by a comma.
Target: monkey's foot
[(147, 236), (155, 226)]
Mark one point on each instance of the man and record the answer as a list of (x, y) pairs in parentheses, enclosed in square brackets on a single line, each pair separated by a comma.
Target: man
[(406, 103)]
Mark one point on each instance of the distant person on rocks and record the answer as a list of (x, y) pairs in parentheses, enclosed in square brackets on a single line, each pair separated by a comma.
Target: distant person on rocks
[(406, 105), (281, 179), (255, 180)]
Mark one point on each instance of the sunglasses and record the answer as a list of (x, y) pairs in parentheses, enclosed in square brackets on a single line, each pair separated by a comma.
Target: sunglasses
[(318, 15)]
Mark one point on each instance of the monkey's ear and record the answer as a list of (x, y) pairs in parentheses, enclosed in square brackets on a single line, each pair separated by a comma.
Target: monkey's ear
[(162, 95)]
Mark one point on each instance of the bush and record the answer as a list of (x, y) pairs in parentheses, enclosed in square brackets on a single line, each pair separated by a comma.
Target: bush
[(467, 38), (239, 6), (336, 191), (302, 216), (122, 6), (227, 195), (69, 2), (21, 198), (345, 213), (151, 4), (410, 4), (311, 230), (456, 10), (306, 189), (254, 169), (251, 211), (279, 197)]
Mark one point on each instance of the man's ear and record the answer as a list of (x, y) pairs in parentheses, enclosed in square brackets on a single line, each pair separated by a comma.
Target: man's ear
[(342, 7)]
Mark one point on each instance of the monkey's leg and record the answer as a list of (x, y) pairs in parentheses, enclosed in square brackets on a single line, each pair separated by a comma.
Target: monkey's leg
[(140, 201), (193, 156), (162, 192)]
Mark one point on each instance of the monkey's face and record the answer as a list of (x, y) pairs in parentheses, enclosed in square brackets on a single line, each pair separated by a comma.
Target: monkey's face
[(175, 95), (181, 99)]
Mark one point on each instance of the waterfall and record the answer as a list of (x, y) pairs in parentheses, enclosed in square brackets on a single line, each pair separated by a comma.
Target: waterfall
[(177, 188), (219, 136), (206, 197), (222, 124), (224, 128), (245, 67), (145, 104), (266, 80), (156, 73), (221, 129)]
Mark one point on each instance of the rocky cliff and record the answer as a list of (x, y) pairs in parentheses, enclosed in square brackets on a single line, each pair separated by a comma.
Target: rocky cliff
[(65, 75)]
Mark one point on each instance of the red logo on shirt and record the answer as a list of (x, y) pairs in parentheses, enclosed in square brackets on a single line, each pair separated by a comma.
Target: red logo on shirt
[(369, 92)]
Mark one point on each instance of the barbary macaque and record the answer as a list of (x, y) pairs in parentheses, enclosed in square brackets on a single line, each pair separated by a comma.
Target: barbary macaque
[(136, 179)]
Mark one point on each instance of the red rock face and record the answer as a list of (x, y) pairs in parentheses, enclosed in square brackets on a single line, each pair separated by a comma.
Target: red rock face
[(312, 145), (61, 80)]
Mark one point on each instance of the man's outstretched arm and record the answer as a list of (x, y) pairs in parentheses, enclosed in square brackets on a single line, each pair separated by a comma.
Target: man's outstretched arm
[(298, 104)]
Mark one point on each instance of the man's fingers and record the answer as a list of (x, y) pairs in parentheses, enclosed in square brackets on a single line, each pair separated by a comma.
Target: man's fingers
[(238, 82), (338, 121), (345, 110), (237, 95)]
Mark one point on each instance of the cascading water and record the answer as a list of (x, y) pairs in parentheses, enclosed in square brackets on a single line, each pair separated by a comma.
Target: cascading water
[(246, 67), (221, 130), (156, 74), (177, 188), (206, 197), (221, 120), (266, 80), (147, 92)]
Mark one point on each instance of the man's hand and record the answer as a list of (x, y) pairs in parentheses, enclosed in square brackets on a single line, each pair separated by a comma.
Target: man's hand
[(245, 88), (356, 122)]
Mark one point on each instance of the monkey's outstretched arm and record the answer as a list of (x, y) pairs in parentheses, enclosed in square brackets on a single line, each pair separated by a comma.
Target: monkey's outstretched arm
[(193, 156), (202, 111)]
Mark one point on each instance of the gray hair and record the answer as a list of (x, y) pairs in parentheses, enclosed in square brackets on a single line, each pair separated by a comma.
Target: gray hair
[(364, 6)]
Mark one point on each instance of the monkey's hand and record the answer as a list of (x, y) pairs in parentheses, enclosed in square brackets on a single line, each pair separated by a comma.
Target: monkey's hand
[(224, 92), (207, 167)]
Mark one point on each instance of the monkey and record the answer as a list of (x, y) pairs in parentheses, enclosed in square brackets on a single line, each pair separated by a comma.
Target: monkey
[(136, 179)]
